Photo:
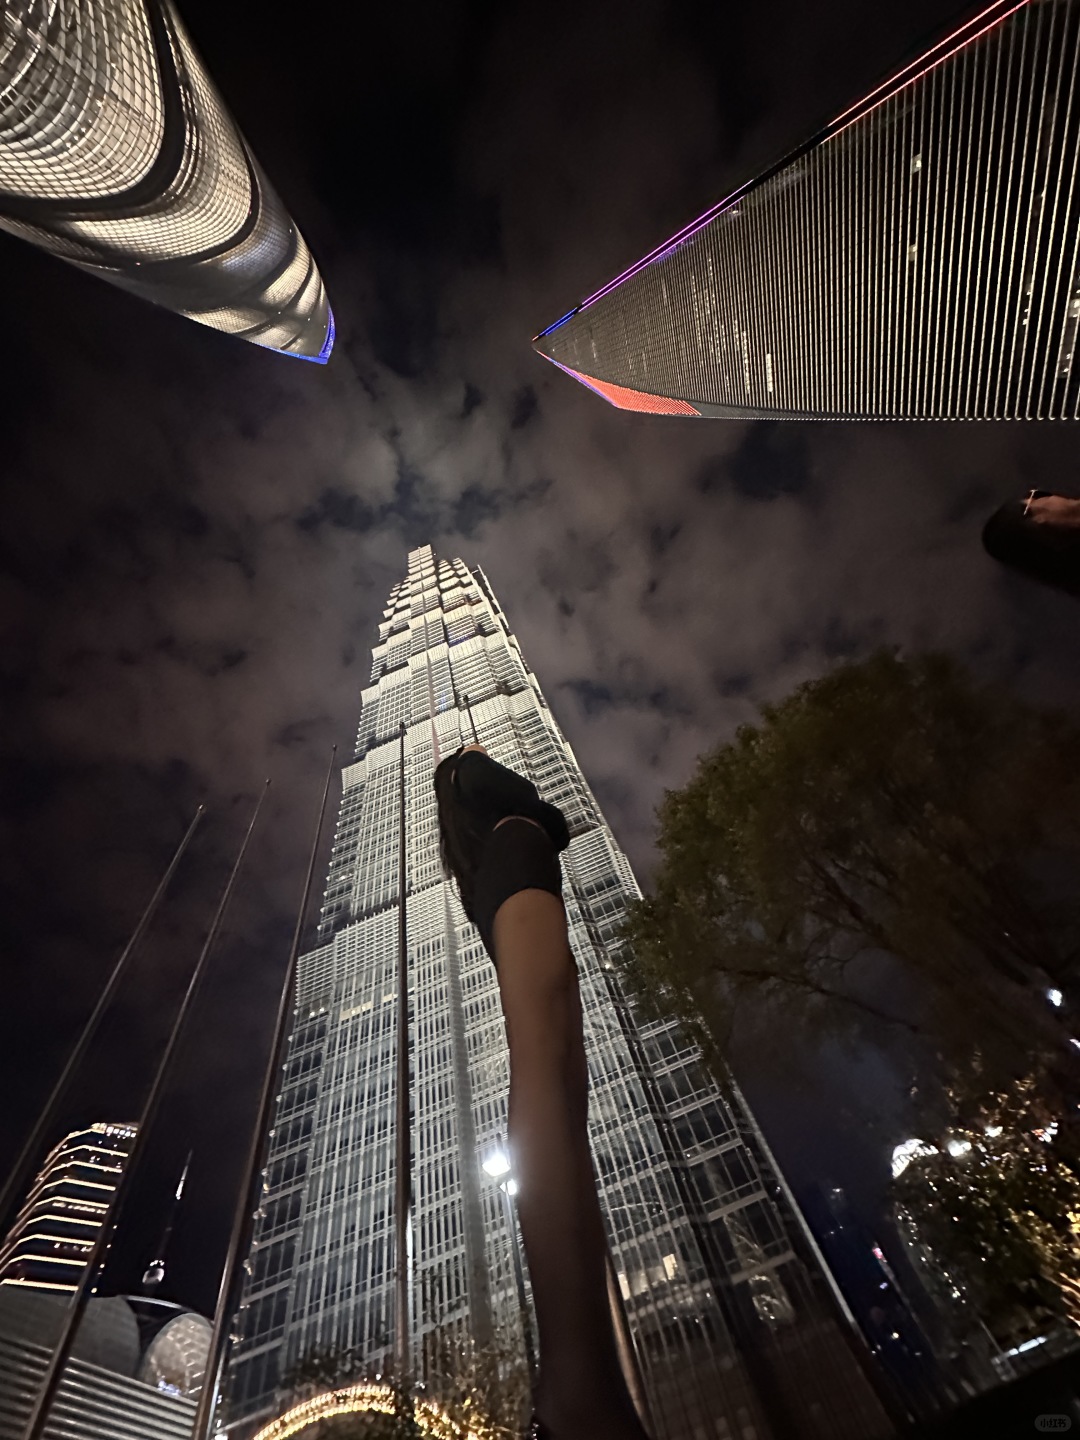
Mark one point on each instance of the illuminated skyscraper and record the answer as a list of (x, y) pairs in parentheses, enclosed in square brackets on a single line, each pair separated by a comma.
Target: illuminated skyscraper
[(54, 1232), (725, 1295), (917, 259), (118, 155)]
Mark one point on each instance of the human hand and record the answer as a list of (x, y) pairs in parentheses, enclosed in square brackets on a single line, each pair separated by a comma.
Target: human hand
[(1053, 510)]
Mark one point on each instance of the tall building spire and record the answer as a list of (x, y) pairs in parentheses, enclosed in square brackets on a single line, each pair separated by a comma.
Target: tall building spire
[(155, 1271), (917, 259), (734, 1325)]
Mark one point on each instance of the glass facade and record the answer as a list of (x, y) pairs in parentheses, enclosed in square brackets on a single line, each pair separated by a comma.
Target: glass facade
[(734, 1323), (55, 1230), (919, 258), (118, 155)]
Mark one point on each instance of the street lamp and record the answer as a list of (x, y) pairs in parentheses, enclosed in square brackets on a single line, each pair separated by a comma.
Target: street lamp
[(497, 1164), (499, 1167)]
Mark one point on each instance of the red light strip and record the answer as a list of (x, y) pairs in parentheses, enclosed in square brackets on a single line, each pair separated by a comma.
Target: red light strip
[(623, 398)]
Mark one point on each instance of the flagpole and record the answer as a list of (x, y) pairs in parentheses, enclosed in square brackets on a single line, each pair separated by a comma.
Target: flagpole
[(50, 1381), (403, 1136), (19, 1175), (228, 1298), (472, 722)]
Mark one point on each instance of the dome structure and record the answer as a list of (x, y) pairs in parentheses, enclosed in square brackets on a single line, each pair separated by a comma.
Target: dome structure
[(154, 1341), (175, 1359)]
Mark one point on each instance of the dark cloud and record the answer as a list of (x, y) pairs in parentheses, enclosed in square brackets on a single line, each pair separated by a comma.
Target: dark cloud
[(593, 698), (525, 407), (198, 537), (474, 506), (772, 460), (348, 512)]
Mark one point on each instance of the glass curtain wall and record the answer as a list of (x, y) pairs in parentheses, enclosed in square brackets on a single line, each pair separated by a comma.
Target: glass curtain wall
[(919, 258), (118, 155)]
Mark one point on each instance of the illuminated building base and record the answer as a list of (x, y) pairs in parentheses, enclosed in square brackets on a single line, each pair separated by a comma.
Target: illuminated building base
[(365, 1399)]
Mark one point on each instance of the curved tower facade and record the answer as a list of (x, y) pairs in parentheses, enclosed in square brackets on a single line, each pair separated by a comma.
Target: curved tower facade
[(55, 1230), (917, 259), (735, 1328), (118, 155)]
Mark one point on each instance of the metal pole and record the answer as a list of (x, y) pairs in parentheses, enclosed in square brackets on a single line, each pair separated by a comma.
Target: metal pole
[(510, 1216), (403, 1168), (50, 1381), (472, 722), (19, 1175), (251, 1184), (624, 1343)]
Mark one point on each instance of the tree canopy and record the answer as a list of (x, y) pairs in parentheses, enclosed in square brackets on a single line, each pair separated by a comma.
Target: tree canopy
[(993, 1198), (893, 806)]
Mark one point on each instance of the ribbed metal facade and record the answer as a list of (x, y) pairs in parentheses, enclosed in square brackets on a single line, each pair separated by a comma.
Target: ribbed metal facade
[(727, 1305), (919, 259), (118, 155), (92, 1403)]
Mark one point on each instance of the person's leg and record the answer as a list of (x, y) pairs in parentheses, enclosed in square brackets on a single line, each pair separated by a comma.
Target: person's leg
[(581, 1392)]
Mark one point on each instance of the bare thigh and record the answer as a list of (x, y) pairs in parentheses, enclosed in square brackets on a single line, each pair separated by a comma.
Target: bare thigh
[(537, 974)]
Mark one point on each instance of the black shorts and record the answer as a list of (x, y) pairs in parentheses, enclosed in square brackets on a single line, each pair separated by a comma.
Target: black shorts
[(518, 855)]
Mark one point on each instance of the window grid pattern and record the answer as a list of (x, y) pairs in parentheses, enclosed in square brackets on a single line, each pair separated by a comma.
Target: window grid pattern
[(919, 259), (118, 155), (691, 1209), (59, 1221)]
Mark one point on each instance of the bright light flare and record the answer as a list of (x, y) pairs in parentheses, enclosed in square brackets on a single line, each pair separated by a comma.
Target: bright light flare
[(908, 1150)]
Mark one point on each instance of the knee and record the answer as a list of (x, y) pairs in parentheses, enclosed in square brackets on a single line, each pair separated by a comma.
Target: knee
[(543, 1029)]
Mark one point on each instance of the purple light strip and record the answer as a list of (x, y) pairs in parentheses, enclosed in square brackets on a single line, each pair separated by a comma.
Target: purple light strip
[(581, 379), (678, 239), (561, 321), (328, 344), (855, 112), (892, 85), (331, 336)]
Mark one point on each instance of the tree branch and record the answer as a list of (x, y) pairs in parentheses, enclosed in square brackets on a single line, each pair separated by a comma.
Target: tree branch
[(814, 987)]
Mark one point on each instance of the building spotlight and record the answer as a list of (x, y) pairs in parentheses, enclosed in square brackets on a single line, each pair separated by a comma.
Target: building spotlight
[(497, 1163)]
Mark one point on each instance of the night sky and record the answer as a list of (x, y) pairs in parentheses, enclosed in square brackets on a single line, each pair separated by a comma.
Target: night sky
[(198, 536)]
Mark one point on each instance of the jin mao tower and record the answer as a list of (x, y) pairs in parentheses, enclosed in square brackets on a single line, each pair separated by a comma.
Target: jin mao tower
[(737, 1332)]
